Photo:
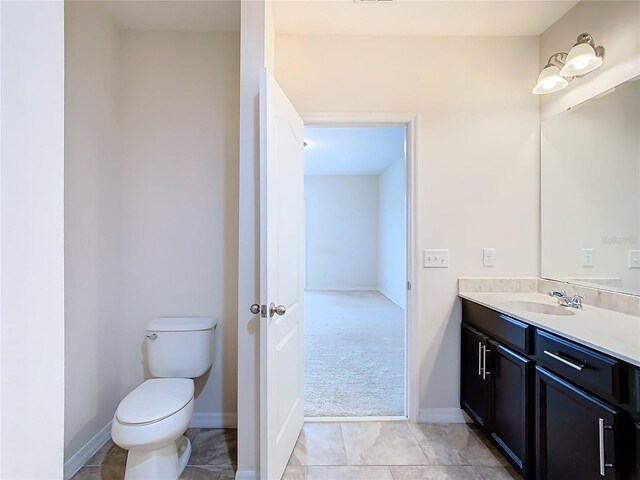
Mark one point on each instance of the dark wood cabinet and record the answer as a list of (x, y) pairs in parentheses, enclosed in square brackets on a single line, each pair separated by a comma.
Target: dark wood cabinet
[(576, 434), (474, 388), (495, 394), (635, 461), (511, 411), (555, 408)]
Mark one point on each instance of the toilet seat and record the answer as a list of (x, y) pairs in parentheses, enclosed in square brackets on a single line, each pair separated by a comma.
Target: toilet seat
[(155, 400)]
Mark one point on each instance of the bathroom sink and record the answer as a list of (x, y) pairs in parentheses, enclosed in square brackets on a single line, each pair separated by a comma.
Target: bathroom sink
[(536, 307)]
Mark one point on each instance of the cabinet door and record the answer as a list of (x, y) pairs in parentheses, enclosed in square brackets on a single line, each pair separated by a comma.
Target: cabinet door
[(575, 432), (510, 405), (635, 468), (474, 391)]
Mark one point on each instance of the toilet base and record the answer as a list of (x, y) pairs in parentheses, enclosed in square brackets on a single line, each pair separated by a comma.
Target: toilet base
[(165, 463)]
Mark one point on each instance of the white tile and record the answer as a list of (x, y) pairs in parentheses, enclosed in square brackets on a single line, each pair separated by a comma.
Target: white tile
[(319, 444), (382, 443), (349, 473)]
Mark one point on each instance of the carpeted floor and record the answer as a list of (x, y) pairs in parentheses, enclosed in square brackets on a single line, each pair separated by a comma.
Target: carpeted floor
[(354, 355)]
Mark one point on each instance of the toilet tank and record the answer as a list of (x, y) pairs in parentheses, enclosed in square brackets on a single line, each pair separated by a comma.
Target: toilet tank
[(180, 347)]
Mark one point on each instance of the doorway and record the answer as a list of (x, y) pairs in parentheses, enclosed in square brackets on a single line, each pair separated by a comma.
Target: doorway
[(355, 335)]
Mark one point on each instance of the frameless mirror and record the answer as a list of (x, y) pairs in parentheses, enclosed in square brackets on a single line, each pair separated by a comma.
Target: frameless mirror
[(590, 192)]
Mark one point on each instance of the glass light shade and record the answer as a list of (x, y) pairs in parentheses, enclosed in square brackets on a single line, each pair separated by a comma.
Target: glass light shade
[(581, 60), (550, 81)]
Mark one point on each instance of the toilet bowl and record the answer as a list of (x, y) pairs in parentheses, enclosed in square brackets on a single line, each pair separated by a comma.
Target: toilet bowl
[(151, 420)]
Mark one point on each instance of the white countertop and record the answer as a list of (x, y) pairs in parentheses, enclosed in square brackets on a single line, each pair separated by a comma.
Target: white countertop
[(613, 333)]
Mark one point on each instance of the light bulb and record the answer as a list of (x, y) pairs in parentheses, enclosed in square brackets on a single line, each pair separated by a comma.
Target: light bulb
[(580, 64)]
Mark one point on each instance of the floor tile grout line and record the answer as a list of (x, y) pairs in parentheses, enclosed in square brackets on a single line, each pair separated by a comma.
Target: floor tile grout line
[(344, 443), (424, 452)]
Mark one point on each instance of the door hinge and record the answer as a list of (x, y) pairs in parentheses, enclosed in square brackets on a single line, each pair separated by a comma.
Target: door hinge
[(408, 285)]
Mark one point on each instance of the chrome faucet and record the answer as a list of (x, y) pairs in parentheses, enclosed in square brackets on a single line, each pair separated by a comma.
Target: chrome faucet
[(567, 301)]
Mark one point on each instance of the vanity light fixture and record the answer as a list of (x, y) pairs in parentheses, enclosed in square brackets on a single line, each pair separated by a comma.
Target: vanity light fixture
[(583, 58), (550, 80), (561, 68)]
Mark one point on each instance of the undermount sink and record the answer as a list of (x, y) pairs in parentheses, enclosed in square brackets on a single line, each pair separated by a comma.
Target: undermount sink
[(536, 307)]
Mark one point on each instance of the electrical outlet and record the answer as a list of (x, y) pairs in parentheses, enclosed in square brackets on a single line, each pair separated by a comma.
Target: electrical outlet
[(436, 259), (634, 258), (587, 257), (489, 257)]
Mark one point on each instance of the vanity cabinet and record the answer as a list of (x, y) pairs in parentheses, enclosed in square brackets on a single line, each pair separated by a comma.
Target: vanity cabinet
[(474, 388), (511, 411), (495, 394), (577, 435), (555, 408)]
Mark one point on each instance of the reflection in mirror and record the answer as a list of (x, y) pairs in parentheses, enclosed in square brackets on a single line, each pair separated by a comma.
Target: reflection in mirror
[(590, 189)]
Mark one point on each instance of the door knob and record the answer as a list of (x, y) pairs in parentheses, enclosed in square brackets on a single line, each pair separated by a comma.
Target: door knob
[(255, 308), (280, 309)]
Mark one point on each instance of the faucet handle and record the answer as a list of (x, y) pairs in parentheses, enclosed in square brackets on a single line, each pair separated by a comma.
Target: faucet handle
[(556, 293), (576, 300)]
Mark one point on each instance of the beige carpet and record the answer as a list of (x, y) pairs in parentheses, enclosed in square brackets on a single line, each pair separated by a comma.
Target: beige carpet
[(354, 355)]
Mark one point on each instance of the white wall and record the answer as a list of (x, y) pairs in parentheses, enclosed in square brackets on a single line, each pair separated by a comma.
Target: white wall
[(31, 228), (341, 232), (614, 25), (392, 233), (256, 53), (92, 208), (151, 207), (179, 225), (478, 159)]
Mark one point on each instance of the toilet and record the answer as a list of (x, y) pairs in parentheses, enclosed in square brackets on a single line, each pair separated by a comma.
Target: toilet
[(151, 420)]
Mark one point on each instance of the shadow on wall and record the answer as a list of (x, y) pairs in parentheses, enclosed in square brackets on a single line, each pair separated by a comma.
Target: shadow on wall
[(442, 354)]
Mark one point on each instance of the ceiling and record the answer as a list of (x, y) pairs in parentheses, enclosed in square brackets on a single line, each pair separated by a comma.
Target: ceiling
[(210, 15), (418, 17), (352, 150), (347, 17)]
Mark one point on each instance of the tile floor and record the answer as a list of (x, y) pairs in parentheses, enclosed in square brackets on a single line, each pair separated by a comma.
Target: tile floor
[(395, 451), (341, 451), (213, 457)]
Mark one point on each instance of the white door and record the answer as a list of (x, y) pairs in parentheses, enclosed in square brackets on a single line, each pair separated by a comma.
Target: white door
[(281, 278)]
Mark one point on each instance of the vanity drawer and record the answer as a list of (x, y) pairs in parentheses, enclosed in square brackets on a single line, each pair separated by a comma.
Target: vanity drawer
[(503, 328), (591, 370)]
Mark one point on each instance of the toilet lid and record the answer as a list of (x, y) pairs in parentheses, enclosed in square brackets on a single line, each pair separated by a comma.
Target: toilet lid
[(155, 399)]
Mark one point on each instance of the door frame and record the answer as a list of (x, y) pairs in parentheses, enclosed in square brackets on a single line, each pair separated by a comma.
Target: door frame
[(412, 326)]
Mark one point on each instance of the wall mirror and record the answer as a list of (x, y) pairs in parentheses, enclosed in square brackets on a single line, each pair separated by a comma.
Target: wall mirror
[(590, 192)]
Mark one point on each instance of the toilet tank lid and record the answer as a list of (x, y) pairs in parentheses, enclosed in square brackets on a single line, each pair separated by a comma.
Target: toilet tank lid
[(181, 324)]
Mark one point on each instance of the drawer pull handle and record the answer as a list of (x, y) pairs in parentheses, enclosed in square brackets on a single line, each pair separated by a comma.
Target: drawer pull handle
[(601, 429), (479, 359), (555, 356)]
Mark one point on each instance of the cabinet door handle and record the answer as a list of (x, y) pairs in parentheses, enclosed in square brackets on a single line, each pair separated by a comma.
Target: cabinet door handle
[(484, 363), (556, 356), (479, 358), (601, 429)]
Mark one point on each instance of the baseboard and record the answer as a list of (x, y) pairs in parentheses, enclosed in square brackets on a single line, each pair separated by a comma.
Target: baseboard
[(392, 300), (214, 420), (389, 418), (342, 289), (83, 455), (441, 415), (246, 475)]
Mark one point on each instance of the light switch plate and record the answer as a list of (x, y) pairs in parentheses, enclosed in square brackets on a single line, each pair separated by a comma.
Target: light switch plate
[(634, 258), (436, 259), (587, 257), (489, 257)]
